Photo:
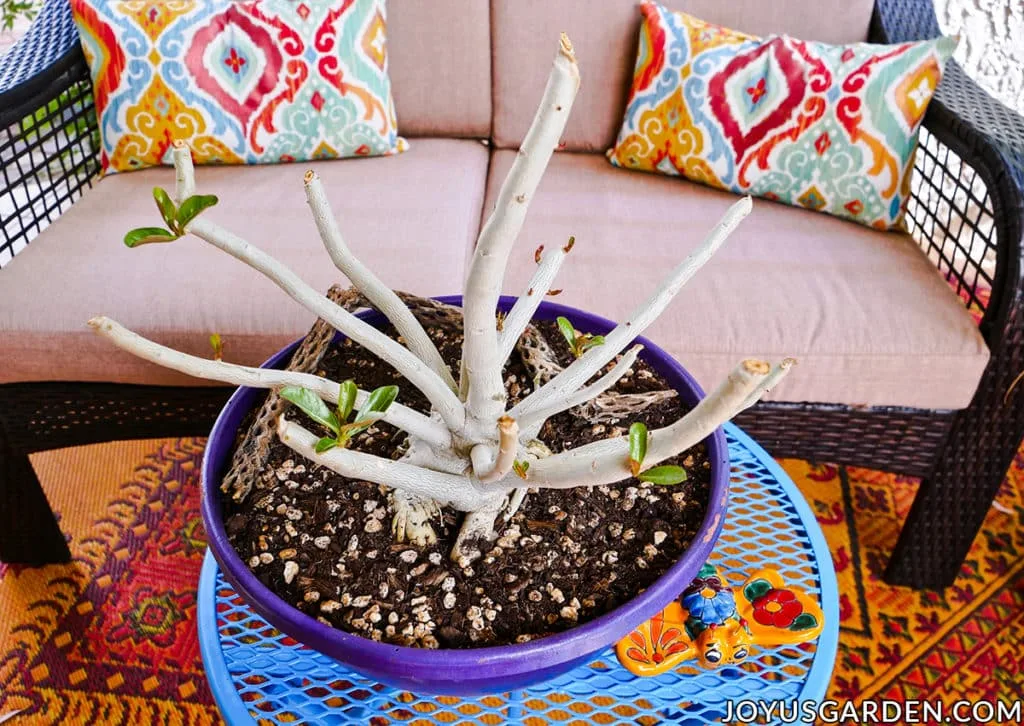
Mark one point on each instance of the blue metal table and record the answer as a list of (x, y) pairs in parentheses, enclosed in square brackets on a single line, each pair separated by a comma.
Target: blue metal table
[(259, 675)]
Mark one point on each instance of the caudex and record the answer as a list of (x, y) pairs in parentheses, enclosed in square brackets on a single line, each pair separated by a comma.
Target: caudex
[(470, 453)]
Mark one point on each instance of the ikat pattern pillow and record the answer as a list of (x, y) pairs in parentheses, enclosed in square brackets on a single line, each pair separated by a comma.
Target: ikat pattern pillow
[(251, 82), (826, 127)]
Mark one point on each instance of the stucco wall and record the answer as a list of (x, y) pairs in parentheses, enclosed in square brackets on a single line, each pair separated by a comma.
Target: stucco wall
[(991, 43)]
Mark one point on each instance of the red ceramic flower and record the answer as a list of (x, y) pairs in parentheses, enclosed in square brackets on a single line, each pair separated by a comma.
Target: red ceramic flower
[(777, 608)]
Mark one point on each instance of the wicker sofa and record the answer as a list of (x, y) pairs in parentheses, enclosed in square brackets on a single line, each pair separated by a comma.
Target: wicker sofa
[(908, 345)]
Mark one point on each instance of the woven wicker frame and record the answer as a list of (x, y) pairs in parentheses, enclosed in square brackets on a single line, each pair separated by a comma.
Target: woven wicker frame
[(967, 212)]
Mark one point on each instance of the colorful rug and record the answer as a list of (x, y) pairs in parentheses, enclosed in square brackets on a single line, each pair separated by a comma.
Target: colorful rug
[(111, 638)]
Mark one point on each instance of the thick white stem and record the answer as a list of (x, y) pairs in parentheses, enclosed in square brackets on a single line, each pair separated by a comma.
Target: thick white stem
[(184, 172), (482, 363), (413, 422), (778, 373), (607, 461), (522, 312), (441, 397), (508, 445), (580, 370), (530, 425), (460, 492), (444, 401), (379, 294)]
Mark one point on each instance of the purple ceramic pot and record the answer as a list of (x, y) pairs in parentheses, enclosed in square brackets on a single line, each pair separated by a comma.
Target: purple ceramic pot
[(472, 671)]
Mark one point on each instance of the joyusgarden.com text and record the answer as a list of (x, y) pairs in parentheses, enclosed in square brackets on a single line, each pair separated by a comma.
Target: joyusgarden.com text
[(875, 711)]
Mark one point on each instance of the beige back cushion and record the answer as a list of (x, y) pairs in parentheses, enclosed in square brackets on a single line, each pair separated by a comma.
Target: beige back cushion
[(439, 58), (605, 32)]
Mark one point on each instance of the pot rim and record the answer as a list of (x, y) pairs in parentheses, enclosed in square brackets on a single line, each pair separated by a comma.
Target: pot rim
[(444, 664)]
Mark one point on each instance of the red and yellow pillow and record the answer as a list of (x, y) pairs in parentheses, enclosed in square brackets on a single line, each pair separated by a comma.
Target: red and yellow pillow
[(247, 82), (826, 127)]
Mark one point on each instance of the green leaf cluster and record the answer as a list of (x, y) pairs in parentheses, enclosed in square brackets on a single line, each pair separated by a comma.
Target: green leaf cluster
[(338, 420), (579, 343), (176, 217), (667, 475)]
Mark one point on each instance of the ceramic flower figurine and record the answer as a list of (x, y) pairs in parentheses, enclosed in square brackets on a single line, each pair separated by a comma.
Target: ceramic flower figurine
[(710, 623)]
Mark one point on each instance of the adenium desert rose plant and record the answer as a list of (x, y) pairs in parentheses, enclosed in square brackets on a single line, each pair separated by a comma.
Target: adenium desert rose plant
[(469, 453)]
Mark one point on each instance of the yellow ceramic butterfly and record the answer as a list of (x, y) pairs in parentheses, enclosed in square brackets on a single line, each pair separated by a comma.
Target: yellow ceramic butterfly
[(710, 623)]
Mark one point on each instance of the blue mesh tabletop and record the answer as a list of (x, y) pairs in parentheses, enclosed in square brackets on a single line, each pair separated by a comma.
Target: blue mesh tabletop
[(258, 675)]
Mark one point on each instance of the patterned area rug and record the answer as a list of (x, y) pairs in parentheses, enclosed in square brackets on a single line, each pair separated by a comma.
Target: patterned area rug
[(111, 638)]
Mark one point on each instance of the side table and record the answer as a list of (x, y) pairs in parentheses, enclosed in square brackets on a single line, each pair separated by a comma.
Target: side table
[(259, 675)]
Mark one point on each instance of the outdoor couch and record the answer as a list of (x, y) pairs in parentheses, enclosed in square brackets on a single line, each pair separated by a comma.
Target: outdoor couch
[(907, 345)]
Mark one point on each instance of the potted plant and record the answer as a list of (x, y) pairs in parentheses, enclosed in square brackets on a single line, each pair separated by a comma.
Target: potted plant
[(469, 441)]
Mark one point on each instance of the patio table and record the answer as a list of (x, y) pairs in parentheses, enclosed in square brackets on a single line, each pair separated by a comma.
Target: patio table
[(259, 675)]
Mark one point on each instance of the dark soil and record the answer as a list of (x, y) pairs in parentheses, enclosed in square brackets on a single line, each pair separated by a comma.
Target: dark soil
[(323, 542)]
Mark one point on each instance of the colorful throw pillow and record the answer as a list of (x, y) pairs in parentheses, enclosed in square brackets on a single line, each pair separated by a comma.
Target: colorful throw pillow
[(251, 82), (826, 127)]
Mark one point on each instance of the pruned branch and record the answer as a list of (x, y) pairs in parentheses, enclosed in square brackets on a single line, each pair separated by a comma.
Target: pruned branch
[(452, 489), (605, 462), (184, 172), (580, 371), (508, 446), (376, 292), (773, 379), (441, 397), (414, 423), (418, 374), (526, 306), (480, 354), (531, 423)]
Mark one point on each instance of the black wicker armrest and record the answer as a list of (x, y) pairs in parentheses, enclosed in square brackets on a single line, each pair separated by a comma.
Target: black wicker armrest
[(48, 134), (969, 193)]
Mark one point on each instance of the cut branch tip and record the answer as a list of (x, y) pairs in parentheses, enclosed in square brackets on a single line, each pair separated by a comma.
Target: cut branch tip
[(757, 367), (565, 48)]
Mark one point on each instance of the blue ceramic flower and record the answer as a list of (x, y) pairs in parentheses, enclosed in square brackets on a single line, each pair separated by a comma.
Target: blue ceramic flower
[(710, 606)]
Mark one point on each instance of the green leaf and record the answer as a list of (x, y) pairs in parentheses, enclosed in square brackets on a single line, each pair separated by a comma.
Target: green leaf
[(311, 405), (167, 209), (568, 331), (192, 206), (325, 444), (520, 468), (804, 621), (592, 342), (637, 446), (218, 345), (756, 588), (664, 475), (148, 235), (378, 401), (346, 399)]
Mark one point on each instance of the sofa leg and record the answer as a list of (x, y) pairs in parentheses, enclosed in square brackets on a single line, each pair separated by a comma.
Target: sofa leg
[(29, 533), (952, 503)]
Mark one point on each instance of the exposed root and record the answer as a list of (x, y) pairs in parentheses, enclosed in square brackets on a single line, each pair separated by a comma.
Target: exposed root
[(478, 525), (411, 522), (515, 501)]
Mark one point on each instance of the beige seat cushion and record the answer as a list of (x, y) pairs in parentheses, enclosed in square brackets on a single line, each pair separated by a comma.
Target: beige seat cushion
[(867, 315), (439, 62), (411, 217), (605, 33)]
